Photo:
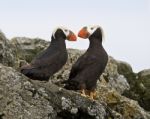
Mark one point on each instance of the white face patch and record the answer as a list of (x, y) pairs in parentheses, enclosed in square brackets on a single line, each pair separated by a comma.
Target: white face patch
[(65, 30), (92, 29)]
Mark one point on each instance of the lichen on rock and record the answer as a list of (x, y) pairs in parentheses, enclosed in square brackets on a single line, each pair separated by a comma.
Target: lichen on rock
[(24, 98)]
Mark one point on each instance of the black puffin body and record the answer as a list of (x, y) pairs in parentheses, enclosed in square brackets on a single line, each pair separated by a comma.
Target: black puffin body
[(86, 71), (51, 60)]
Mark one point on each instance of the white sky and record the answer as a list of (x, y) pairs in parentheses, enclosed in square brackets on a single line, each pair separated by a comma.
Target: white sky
[(126, 24)]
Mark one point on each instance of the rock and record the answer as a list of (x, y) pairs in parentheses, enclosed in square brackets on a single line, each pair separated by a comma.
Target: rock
[(113, 78), (21, 97), (125, 69), (125, 107), (7, 52), (140, 91), (145, 74), (28, 48)]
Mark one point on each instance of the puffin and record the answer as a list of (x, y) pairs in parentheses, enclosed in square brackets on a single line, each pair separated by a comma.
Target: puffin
[(89, 67), (51, 60)]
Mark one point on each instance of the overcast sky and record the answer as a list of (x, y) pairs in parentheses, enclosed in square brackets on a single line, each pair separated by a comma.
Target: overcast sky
[(126, 24)]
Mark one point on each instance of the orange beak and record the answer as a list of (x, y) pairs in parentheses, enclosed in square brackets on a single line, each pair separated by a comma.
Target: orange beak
[(83, 33), (71, 36)]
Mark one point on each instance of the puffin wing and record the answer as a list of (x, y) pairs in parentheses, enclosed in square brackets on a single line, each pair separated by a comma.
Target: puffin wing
[(81, 71), (83, 62), (45, 60), (40, 63), (37, 67), (76, 67), (73, 72)]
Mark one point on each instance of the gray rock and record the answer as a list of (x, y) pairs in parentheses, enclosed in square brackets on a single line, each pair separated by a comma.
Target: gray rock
[(7, 52), (143, 84), (125, 107), (113, 78), (21, 97), (119, 83), (28, 48), (144, 73), (124, 67), (140, 89), (126, 70)]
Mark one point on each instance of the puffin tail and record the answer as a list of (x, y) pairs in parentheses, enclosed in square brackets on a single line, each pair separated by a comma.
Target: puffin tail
[(26, 72)]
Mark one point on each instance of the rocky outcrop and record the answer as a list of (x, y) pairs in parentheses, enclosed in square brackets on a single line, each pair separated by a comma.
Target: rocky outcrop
[(125, 107), (113, 78), (140, 90), (7, 52), (27, 48), (21, 97), (144, 88)]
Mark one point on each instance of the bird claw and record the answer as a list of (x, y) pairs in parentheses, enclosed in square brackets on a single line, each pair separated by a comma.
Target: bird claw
[(91, 95), (83, 95)]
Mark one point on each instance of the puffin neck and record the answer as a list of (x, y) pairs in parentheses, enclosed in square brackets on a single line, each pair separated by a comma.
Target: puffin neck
[(58, 43), (95, 42)]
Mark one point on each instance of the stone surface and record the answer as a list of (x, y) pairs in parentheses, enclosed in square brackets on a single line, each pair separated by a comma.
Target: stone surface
[(28, 48), (125, 107), (140, 90), (7, 52), (113, 78), (22, 98)]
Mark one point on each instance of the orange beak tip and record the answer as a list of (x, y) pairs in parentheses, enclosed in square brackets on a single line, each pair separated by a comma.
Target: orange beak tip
[(72, 37), (83, 34)]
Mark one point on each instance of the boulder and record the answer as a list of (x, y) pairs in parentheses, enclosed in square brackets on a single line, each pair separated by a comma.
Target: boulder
[(113, 78), (27, 48), (144, 85), (7, 52), (125, 69), (126, 108), (140, 91), (21, 97)]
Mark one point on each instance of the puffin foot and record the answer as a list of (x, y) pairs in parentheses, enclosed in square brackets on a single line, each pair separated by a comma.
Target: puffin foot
[(93, 95), (83, 93)]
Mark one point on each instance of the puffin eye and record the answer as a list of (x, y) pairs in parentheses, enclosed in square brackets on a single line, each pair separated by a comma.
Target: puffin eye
[(85, 27), (92, 28), (66, 30)]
